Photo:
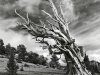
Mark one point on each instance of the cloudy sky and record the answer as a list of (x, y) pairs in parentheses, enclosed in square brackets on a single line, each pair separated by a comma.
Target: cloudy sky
[(83, 14)]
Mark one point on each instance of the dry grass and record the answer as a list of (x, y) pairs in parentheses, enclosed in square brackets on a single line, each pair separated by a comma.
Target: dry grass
[(40, 73), (31, 70), (31, 73)]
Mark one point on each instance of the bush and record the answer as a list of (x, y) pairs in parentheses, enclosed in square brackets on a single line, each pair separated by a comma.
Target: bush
[(19, 61), (2, 56), (26, 65), (21, 69)]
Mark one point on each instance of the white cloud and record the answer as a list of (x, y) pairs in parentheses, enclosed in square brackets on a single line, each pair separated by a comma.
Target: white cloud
[(7, 23), (15, 39), (94, 55)]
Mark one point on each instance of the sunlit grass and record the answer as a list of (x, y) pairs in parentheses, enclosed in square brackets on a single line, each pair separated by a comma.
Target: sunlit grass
[(32, 70)]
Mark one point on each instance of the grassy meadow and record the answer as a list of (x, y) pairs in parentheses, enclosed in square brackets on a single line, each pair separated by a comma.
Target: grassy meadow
[(31, 70)]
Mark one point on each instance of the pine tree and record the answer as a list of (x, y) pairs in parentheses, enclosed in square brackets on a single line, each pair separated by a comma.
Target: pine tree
[(7, 49), (11, 65), (2, 48)]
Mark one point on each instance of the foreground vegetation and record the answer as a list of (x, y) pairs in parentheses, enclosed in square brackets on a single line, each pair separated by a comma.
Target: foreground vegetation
[(33, 69), (34, 73), (21, 54), (18, 61)]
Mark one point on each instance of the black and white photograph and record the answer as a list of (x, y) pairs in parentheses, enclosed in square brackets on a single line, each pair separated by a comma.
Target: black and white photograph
[(49, 37)]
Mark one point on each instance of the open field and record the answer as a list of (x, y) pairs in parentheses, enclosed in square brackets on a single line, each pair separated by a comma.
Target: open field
[(28, 73), (34, 73), (40, 73), (31, 70)]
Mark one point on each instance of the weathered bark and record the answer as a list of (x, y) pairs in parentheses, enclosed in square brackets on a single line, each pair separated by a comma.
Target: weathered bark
[(64, 42)]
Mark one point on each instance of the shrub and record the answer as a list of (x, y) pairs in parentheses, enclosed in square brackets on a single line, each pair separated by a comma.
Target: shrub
[(26, 65), (21, 69)]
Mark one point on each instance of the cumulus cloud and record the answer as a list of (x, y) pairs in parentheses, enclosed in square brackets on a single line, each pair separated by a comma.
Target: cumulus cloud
[(5, 24), (15, 39)]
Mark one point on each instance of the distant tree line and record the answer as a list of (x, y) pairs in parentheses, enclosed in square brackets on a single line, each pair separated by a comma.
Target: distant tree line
[(21, 54)]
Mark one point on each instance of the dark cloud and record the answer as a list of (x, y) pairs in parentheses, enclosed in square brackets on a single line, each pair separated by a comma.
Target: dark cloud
[(7, 12), (83, 28), (7, 7)]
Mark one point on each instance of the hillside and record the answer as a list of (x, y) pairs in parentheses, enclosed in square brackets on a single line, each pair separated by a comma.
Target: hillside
[(32, 69)]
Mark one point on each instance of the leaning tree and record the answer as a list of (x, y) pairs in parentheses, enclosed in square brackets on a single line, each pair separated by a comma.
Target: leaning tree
[(64, 44)]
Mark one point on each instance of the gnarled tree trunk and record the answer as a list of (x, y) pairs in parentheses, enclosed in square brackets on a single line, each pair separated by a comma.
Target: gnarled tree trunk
[(73, 53)]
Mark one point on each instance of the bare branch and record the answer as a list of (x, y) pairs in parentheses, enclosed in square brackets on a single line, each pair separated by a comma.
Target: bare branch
[(28, 21), (62, 13), (20, 16), (49, 15), (54, 8)]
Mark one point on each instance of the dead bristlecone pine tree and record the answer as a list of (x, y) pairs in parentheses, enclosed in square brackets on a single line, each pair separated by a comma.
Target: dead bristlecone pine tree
[(56, 28), (11, 64)]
